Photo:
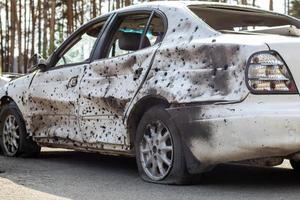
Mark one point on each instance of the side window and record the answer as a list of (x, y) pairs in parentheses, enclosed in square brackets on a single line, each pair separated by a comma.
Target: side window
[(128, 35), (80, 48), (155, 31)]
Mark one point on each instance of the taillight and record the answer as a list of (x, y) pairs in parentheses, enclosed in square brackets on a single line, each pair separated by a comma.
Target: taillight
[(267, 73)]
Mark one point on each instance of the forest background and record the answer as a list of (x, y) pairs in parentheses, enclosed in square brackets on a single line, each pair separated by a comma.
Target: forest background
[(39, 26)]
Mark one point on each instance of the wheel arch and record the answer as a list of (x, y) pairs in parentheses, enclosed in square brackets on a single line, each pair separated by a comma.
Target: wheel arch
[(138, 111), (6, 100)]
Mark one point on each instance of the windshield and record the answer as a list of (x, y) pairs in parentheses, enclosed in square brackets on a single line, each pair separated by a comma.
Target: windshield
[(236, 19)]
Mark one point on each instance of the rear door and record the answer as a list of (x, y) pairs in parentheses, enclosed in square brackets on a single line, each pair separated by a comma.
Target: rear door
[(54, 93), (109, 84)]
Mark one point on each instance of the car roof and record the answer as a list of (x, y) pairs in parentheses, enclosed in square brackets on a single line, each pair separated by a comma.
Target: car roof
[(204, 4)]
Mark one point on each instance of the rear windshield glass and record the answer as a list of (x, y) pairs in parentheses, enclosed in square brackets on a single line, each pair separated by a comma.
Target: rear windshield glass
[(238, 19)]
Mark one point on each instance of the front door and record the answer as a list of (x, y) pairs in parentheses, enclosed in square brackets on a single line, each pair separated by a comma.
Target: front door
[(54, 93), (110, 83)]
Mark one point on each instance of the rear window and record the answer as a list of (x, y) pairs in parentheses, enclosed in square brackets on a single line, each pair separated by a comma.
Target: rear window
[(238, 19)]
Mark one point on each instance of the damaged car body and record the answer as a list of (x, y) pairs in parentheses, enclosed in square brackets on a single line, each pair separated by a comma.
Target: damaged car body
[(182, 86)]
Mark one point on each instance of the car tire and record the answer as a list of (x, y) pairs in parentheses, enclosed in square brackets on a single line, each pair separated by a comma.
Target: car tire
[(158, 147), (14, 140)]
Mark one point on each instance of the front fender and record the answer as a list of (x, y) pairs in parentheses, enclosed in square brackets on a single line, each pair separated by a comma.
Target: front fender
[(18, 91)]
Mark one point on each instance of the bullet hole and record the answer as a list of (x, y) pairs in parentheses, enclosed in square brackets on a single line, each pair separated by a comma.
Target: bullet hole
[(225, 67), (214, 71), (89, 96), (214, 40), (196, 28)]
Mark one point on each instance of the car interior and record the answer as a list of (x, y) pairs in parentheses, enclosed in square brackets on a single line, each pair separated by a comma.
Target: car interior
[(128, 37)]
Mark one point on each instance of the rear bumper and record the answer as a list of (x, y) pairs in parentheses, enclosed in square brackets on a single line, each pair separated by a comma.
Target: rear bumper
[(259, 127)]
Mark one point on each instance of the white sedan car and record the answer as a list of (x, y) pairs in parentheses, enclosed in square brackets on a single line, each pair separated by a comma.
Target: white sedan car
[(182, 86)]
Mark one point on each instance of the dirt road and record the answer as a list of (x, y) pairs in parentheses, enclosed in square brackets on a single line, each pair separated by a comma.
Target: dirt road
[(60, 174)]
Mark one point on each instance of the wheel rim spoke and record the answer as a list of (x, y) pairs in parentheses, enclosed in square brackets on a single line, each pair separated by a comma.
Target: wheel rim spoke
[(145, 149), (152, 131), (165, 159), (166, 148), (156, 150), (147, 139), (14, 142), (160, 166), (15, 134), (154, 167), (149, 161)]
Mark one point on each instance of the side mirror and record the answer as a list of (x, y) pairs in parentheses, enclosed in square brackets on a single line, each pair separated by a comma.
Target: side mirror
[(37, 62)]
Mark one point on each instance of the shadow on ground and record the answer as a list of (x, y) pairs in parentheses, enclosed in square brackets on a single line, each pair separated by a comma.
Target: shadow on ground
[(78, 175)]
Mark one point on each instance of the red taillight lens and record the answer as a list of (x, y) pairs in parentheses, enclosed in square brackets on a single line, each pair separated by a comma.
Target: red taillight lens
[(267, 73)]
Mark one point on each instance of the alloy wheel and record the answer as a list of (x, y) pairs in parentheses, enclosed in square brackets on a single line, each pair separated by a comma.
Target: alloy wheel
[(156, 151)]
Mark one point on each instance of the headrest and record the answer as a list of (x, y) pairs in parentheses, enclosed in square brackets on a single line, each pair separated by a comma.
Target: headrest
[(130, 41)]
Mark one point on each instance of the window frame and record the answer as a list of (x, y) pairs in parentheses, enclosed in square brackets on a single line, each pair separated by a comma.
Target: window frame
[(162, 16), (103, 45), (63, 48), (116, 26)]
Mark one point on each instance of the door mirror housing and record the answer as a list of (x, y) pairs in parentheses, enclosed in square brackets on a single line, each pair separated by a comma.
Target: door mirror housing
[(38, 62)]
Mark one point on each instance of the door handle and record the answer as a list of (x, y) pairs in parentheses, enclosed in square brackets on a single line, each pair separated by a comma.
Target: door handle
[(72, 82)]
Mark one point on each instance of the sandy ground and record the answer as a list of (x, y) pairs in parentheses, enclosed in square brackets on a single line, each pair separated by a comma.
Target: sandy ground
[(61, 174)]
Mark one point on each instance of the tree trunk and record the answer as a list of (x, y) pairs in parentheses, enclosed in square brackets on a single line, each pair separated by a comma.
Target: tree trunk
[(26, 36), (82, 12), (100, 7), (69, 17), (127, 2), (39, 7), (7, 48), (94, 8), (13, 18), (45, 31), (271, 5), (76, 16), (117, 4), (19, 31), (52, 27), (1, 46), (33, 21), (244, 2)]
